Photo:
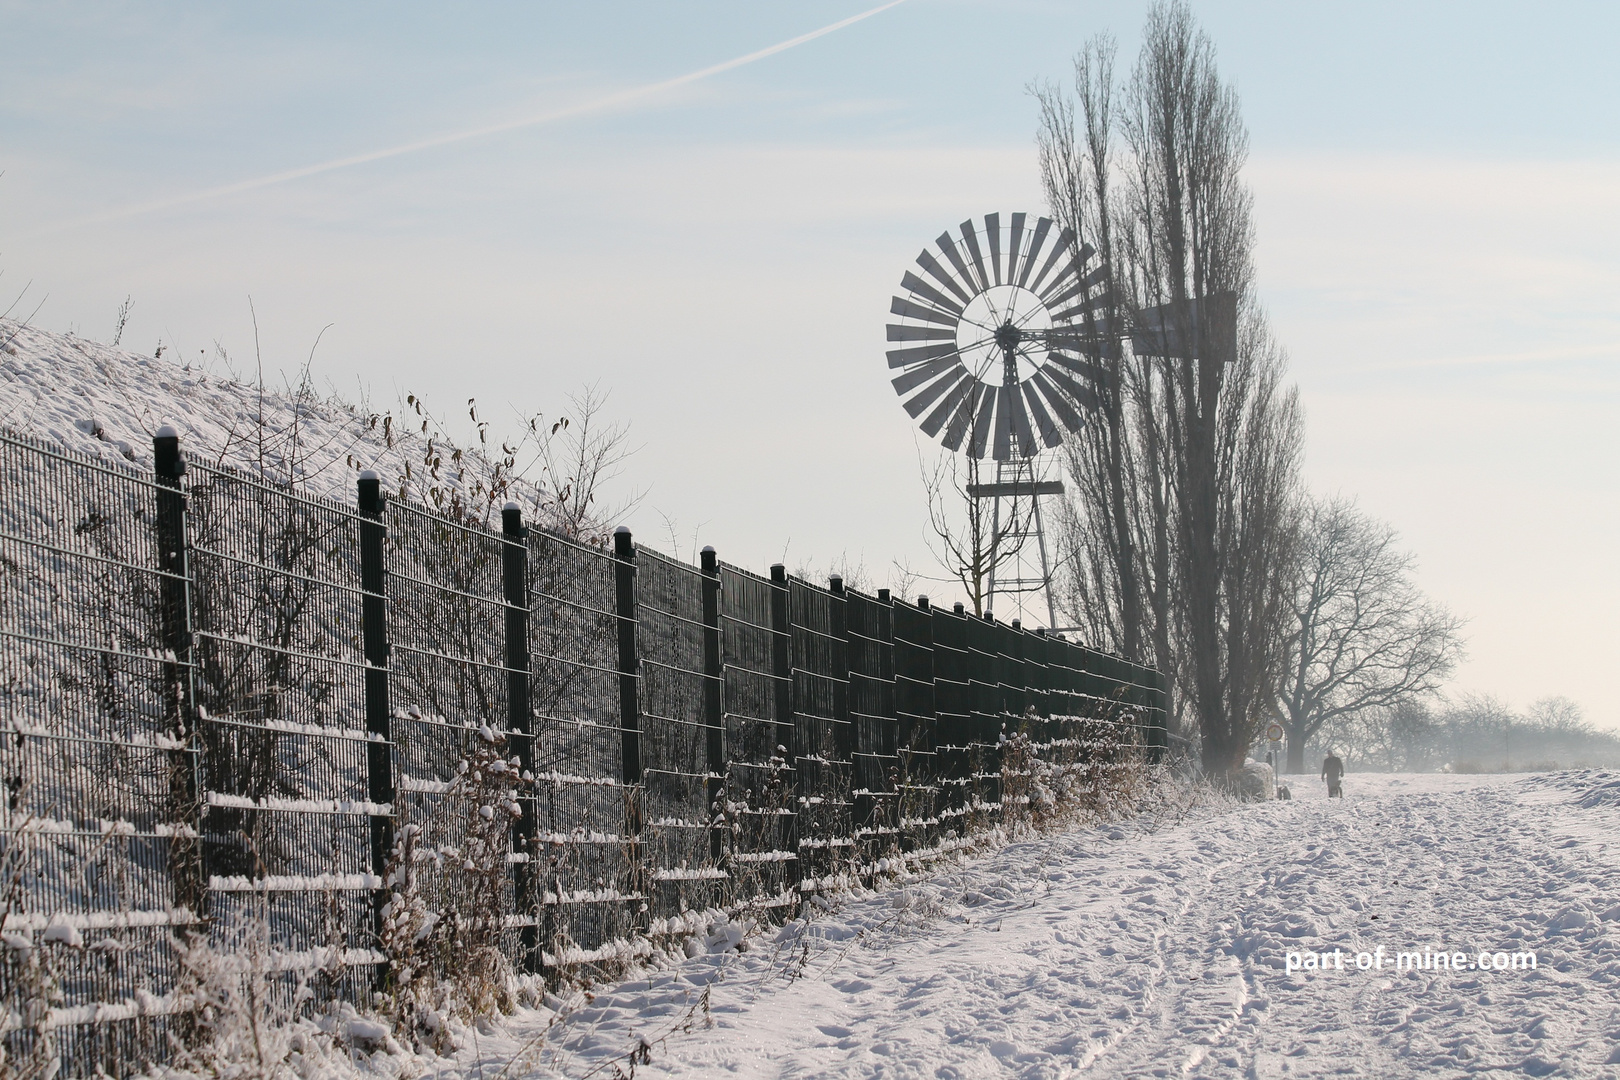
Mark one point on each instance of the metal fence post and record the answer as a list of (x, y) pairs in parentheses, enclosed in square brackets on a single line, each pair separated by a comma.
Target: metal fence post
[(782, 678), (186, 869), (843, 728), (713, 703), (515, 586), (624, 581), (374, 633)]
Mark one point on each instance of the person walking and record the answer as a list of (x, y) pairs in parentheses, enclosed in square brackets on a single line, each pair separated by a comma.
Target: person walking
[(1333, 773)]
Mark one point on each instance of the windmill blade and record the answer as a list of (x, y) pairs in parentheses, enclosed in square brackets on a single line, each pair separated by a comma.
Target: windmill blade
[(948, 246), (930, 394), (1041, 227), (1059, 403), (921, 374), (919, 333), (1051, 435), (1082, 368), (932, 268), (992, 234), (1002, 448), (1013, 243), (921, 288), (948, 405), (1065, 241), (1070, 271), (1077, 288), (970, 238), (1101, 300), (907, 310), (919, 353), (1079, 394), (1013, 405), (981, 422), (1065, 296), (1090, 280), (962, 416)]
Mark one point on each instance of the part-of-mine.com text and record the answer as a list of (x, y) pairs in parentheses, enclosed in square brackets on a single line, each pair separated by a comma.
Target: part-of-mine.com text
[(1381, 959)]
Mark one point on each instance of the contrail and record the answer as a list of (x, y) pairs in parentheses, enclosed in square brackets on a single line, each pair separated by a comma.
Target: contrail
[(620, 98)]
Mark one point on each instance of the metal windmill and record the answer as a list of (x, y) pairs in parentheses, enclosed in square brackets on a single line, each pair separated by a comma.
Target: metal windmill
[(997, 343)]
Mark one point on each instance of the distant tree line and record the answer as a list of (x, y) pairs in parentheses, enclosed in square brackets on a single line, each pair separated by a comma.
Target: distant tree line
[(1471, 735)]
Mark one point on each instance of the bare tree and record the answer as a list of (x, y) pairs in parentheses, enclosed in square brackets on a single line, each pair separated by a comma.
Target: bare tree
[(573, 459), (965, 533), (1179, 532), (1402, 734), (1231, 430), (1102, 519), (1363, 637)]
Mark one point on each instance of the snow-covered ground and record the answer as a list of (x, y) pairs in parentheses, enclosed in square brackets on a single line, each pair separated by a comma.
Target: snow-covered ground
[(1159, 947)]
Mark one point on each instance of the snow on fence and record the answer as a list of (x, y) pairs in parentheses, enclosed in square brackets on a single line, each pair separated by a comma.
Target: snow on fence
[(395, 738)]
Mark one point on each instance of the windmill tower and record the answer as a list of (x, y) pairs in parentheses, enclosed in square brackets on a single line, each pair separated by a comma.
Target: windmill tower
[(996, 348)]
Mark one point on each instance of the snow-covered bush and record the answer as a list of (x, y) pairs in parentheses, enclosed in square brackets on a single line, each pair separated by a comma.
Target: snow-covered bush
[(446, 909), (1066, 770)]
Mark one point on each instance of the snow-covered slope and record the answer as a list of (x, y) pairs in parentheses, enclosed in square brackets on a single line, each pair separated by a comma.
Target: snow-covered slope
[(108, 401), (1163, 948)]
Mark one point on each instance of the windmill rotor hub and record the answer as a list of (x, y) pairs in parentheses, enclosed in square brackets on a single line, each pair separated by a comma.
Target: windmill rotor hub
[(1008, 336)]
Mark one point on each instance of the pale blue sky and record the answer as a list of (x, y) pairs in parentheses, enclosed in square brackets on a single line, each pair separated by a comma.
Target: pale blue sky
[(1435, 201)]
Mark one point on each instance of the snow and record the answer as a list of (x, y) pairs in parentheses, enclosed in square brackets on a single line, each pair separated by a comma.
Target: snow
[(110, 402), (1157, 946)]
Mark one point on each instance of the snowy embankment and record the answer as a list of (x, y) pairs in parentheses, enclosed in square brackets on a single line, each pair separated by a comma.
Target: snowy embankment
[(1160, 947), (108, 402)]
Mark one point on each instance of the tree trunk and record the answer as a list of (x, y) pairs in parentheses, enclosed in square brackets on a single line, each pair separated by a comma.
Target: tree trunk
[(1296, 754)]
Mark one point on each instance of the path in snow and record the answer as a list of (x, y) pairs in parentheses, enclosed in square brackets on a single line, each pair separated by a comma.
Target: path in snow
[(1142, 952)]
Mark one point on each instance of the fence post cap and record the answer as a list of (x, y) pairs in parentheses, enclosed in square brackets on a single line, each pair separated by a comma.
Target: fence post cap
[(167, 431), (511, 504), (622, 530), (708, 549), (922, 603), (369, 474)]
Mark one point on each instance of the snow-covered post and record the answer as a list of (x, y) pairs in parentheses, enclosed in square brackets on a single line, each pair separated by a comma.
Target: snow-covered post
[(520, 718), (374, 635), (624, 581), (180, 697), (713, 704), (782, 678)]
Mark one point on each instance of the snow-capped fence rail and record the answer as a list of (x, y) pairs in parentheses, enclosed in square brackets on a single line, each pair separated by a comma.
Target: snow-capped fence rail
[(403, 744)]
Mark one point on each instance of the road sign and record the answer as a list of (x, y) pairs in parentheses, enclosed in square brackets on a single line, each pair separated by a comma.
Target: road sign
[(1274, 732)]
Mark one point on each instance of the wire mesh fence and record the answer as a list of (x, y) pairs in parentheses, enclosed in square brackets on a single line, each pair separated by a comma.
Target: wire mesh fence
[(228, 701)]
